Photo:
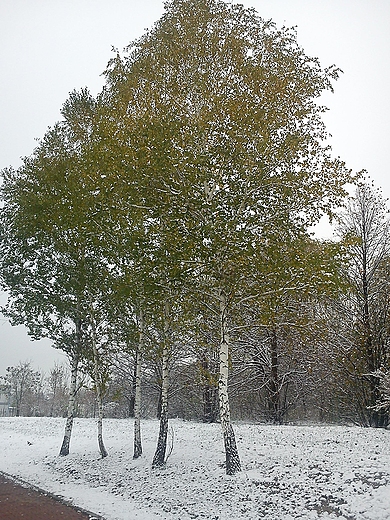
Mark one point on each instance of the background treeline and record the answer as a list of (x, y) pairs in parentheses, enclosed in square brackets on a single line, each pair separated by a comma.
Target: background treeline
[(161, 236)]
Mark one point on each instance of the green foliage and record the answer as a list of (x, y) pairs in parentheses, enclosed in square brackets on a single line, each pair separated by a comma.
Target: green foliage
[(216, 111), (199, 169)]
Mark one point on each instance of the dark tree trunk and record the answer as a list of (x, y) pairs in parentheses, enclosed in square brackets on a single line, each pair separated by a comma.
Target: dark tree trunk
[(159, 456), (133, 390), (159, 403), (274, 405), (232, 459), (210, 392)]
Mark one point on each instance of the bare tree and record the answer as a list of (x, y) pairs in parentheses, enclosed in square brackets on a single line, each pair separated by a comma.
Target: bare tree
[(20, 382), (57, 386), (366, 229)]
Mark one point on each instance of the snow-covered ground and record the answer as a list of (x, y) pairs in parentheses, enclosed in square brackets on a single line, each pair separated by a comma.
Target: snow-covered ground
[(288, 472)]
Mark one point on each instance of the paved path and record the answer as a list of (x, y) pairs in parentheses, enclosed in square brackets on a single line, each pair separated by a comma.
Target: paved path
[(26, 503)]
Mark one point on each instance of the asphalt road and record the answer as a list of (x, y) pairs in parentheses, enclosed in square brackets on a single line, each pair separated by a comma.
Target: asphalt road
[(19, 501)]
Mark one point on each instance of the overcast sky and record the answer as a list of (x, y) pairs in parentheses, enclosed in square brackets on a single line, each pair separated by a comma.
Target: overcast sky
[(50, 47)]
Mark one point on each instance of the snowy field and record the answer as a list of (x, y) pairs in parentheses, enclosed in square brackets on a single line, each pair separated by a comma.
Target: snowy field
[(288, 472)]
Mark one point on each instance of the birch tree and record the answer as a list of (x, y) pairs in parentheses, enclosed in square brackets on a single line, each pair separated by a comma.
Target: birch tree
[(40, 279), (128, 335), (230, 145), (51, 226)]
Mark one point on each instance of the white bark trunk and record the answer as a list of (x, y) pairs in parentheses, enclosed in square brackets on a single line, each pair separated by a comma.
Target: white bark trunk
[(137, 400), (159, 456), (71, 406), (233, 464), (99, 397)]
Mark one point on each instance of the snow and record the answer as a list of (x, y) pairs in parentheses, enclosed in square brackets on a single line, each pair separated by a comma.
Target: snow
[(288, 472)]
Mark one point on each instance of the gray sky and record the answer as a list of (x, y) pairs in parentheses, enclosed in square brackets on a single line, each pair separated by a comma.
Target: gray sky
[(50, 47)]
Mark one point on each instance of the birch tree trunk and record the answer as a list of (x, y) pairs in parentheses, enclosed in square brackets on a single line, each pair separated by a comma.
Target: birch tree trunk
[(159, 456), (74, 363), (137, 399), (71, 406), (98, 387), (233, 464)]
